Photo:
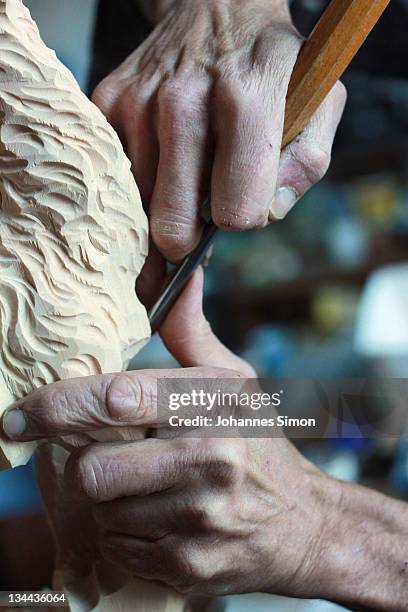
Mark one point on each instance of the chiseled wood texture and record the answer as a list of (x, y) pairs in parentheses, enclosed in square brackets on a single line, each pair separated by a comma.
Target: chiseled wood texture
[(73, 234), (324, 57), (73, 239)]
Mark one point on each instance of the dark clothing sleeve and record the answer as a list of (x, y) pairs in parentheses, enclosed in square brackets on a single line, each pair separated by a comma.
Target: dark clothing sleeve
[(119, 29)]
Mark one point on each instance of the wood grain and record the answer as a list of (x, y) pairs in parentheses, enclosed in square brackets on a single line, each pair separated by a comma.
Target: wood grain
[(335, 40)]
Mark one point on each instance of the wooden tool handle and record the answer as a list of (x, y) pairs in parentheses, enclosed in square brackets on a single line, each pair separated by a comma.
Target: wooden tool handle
[(324, 57)]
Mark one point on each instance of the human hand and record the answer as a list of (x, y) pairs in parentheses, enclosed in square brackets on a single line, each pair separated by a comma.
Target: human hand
[(201, 515), (200, 105), (209, 516), (73, 406), (210, 502), (237, 515)]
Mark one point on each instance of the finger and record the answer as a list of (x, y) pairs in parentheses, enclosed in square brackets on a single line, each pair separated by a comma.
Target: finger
[(306, 160), (129, 108), (186, 564), (189, 337), (152, 517), (147, 517), (246, 160), (142, 558), (151, 278), (138, 126), (103, 472), (249, 125), (181, 178), (95, 402)]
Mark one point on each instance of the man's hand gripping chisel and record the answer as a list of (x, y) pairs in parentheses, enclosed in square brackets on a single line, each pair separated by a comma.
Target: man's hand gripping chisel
[(331, 46)]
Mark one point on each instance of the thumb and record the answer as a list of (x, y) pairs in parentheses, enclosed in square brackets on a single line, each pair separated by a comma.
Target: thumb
[(189, 337)]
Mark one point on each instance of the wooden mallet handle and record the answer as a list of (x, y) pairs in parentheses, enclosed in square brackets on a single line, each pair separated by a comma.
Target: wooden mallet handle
[(325, 55)]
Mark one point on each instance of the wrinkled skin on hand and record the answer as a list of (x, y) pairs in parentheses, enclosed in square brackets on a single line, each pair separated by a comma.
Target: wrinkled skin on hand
[(200, 105), (208, 516), (72, 406)]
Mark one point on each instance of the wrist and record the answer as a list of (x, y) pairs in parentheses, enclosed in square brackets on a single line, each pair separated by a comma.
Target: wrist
[(362, 558)]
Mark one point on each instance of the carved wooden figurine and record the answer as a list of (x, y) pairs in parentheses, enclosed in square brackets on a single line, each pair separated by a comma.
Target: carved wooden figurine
[(73, 238), (73, 235)]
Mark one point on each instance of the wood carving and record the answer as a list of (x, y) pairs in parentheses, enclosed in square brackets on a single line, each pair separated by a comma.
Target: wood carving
[(73, 238), (73, 235)]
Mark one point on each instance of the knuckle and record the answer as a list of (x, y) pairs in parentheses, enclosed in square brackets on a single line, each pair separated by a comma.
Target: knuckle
[(206, 517), (240, 221), (169, 462), (313, 160), (230, 95), (135, 97), (129, 106), (105, 94), (57, 408), (340, 92), (171, 94), (190, 563), (197, 513), (180, 96), (147, 398), (319, 161), (125, 389), (223, 471), (87, 404), (175, 235), (223, 462)]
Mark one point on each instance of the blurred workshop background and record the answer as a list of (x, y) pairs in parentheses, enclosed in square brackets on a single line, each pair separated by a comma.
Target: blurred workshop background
[(322, 294)]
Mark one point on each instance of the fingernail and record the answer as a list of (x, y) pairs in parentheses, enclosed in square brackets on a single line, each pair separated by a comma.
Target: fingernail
[(284, 200), (14, 423)]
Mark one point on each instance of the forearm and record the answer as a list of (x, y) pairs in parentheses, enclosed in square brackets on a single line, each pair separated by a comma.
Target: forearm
[(365, 551), (155, 10)]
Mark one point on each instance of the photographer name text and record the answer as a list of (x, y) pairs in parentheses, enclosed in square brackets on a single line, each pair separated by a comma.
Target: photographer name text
[(231, 421)]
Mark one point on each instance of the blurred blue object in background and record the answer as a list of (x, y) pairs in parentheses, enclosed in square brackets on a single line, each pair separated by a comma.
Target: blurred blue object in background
[(399, 472), (67, 27), (18, 492), (270, 348)]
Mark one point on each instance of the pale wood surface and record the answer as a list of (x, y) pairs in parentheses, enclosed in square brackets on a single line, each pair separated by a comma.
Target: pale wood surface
[(73, 239), (73, 234)]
